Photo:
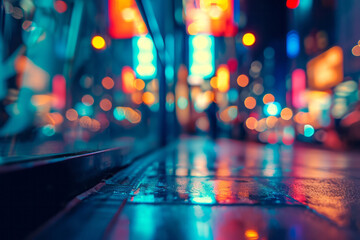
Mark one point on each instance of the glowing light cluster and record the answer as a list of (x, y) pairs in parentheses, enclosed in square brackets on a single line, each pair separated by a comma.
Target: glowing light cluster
[(202, 60), (144, 57)]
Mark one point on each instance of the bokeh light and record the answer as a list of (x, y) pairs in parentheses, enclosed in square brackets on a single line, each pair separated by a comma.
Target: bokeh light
[(250, 103), (268, 98), (107, 83), (248, 39), (286, 114), (243, 80), (98, 42)]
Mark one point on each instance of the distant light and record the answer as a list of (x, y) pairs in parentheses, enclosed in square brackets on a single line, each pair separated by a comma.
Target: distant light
[(251, 123), (119, 113), (286, 114), (268, 98), (71, 115), (243, 80), (59, 92), (326, 70), (48, 130), (249, 39), (250, 103), (251, 234), (105, 104), (269, 53), (356, 51), (293, 44), (148, 98), (201, 56), (182, 103), (107, 83), (60, 6), (308, 130), (139, 84), (88, 100), (128, 79), (298, 81), (98, 42), (223, 78), (144, 57), (292, 4), (272, 109)]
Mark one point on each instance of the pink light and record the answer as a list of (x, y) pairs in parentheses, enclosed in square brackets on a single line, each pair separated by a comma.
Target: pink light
[(59, 92), (298, 79)]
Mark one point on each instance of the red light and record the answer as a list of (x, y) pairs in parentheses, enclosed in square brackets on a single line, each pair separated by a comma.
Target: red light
[(292, 4), (60, 6), (128, 79), (59, 92)]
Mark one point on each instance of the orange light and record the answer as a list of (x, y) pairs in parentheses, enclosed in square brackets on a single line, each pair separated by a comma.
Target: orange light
[(128, 79), (148, 98), (243, 80), (271, 121), (250, 103), (136, 97), (71, 115), (251, 123), (356, 51), (326, 70), (105, 104), (125, 20), (107, 83), (87, 100), (98, 42), (268, 98), (223, 78), (85, 122), (249, 39), (286, 114), (139, 84)]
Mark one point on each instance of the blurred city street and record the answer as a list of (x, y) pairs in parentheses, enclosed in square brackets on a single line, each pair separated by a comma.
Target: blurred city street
[(199, 189)]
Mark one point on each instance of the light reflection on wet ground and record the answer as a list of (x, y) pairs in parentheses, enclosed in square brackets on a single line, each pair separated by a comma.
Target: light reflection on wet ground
[(198, 189), (230, 173)]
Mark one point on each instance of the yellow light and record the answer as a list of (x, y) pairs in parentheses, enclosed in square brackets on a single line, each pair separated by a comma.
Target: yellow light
[(250, 103), (286, 114), (251, 234), (223, 78), (98, 42), (248, 39)]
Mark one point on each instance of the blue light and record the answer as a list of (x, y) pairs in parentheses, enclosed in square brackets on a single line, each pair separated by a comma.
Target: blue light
[(272, 109), (308, 130), (84, 110), (119, 114), (144, 57), (202, 60), (293, 44), (233, 95)]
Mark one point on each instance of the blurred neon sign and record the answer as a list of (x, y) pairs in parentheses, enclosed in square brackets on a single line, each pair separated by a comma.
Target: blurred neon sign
[(144, 57), (125, 20), (326, 70), (202, 60)]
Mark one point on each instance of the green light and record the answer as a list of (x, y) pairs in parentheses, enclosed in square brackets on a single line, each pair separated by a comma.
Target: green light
[(308, 130)]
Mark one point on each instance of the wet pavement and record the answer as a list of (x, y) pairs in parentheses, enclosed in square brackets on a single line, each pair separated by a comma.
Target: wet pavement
[(199, 189)]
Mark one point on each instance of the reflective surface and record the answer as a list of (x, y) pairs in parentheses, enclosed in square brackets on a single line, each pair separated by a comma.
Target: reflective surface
[(199, 189)]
